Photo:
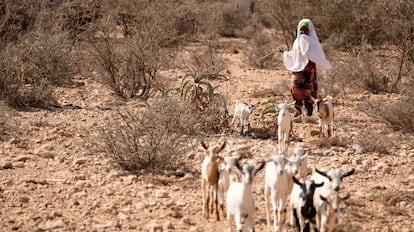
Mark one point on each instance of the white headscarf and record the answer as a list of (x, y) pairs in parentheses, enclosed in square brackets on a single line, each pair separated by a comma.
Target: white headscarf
[(305, 48)]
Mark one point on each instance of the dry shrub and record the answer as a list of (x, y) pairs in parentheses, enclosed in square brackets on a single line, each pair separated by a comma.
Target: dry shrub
[(156, 137), (208, 61), (262, 50), (51, 55), (335, 141), (371, 142), (20, 84), (398, 114), (5, 120), (16, 19), (214, 118), (129, 67), (151, 139)]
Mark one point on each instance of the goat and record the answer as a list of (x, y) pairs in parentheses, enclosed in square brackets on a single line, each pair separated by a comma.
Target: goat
[(239, 200), (284, 126), (329, 218), (276, 181), (242, 112), (326, 115), (333, 179), (209, 178), (301, 199), (225, 177), (296, 166)]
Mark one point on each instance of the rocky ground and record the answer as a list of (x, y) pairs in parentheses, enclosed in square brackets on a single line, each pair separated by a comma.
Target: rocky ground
[(53, 179)]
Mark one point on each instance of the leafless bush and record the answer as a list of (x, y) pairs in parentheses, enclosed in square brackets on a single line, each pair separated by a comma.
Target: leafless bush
[(337, 141), (208, 62), (129, 67), (16, 19), (263, 51), (51, 55), (5, 119), (399, 114), (149, 139), (19, 83), (371, 142), (214, 118)]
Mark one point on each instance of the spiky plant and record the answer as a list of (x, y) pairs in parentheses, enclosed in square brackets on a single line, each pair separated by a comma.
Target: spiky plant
[(269, 108), (197, 89)]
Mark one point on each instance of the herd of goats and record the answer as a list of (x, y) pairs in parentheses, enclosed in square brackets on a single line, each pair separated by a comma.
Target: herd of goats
[(314, 200)]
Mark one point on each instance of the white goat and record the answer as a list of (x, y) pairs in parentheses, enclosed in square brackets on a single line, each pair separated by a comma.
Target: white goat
[(225, 177), (242, 112), (332, 180), (239, 200), (276, 184), (209, 178), (284, 126), (296, 166), (326, 115), (301, 199)]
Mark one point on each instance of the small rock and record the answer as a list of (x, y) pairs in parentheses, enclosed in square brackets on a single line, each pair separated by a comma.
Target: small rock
[(387, 170), (191, 156), (80, 161), (187, 221), (122, 216), (6, 165), (358, 149), (161, 194), (24, 199), (22, 158), (153, 227), (51, 225), (140, 206), (128, 180), (168, 226)]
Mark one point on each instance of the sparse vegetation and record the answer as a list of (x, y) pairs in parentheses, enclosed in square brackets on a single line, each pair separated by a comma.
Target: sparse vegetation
[(86, 84)]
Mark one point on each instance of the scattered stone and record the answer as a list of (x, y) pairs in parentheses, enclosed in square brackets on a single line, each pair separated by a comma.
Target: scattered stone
[(24, 199), (22, 158), (161, 194), (128, 180), (6, 165), (153, 227), (52, 225), (168, 226), (358, 149), (140, 206), (80, 161)]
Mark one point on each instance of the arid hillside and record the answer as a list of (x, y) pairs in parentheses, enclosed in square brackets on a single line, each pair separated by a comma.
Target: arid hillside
[(104, 104), (54, 179)]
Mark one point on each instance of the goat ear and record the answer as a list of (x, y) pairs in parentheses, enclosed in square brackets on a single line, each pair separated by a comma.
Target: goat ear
[(237, 164), (348, 173), (296, 181), (261, 166), (323, 174), (204, 145), (319, 185)]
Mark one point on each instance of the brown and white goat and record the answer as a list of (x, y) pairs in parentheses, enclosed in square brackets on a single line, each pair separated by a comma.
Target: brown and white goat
[(326, 115), (210, 178), (329, 217)]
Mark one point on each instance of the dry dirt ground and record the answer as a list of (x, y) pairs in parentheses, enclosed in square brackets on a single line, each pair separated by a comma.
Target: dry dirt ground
[(52, 179)]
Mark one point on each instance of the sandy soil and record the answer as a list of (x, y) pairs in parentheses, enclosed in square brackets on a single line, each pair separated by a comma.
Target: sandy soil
[(53, 180)]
